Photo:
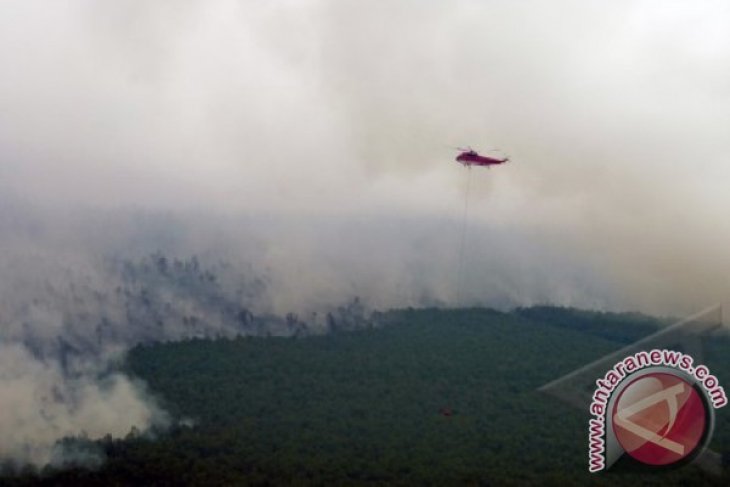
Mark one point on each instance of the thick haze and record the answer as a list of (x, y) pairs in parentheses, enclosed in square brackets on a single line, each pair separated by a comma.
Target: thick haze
[(616, 116), (310, 142)]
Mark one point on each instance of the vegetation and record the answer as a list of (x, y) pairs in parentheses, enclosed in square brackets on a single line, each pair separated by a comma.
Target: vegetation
[(429, 397)]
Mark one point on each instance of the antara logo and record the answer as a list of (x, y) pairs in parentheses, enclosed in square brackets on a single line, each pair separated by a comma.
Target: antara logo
[(656, 406), (661, 414), (660, 419)]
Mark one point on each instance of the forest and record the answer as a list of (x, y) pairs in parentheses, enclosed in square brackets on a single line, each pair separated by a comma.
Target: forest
[(412, 397)]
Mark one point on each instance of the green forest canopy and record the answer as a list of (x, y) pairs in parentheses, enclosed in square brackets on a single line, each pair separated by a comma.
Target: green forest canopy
[(431, 396)]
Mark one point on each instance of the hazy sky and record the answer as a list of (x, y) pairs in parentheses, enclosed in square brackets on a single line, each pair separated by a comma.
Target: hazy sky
[(616, 115)]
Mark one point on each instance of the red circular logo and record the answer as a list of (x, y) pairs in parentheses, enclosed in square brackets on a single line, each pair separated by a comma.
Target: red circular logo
[(660, 419)]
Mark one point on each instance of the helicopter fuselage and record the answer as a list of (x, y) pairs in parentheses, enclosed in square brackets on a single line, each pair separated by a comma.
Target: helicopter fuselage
[(471, 158)]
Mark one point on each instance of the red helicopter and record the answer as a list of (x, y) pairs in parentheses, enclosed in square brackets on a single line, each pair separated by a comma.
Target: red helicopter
[(470, 157)]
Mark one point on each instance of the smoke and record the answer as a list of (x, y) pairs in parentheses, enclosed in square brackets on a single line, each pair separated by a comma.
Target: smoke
[(41, 404), (301, 151)]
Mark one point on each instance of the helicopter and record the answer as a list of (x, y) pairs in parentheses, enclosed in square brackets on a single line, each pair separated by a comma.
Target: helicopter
[(470, 157)]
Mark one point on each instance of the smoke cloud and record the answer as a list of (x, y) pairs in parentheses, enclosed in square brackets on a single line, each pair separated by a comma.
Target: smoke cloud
[(301, 150)]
